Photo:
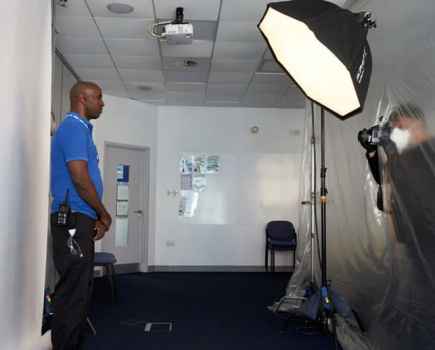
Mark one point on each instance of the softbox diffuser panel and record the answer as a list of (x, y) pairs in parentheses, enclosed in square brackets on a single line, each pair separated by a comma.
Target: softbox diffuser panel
[(323, 48)]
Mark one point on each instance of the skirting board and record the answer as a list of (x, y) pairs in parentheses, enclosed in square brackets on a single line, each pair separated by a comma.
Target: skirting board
[(164, 268)]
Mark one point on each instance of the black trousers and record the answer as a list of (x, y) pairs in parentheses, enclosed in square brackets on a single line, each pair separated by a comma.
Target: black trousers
[(73, 291)]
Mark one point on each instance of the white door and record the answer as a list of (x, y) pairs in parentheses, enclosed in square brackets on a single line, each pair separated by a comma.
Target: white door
[(126, 198)]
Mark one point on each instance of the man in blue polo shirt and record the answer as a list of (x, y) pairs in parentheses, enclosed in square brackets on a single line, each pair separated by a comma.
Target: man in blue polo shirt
[(78, 216)]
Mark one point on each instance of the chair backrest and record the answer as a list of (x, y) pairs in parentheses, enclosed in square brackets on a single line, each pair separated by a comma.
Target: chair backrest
[(280, 230)]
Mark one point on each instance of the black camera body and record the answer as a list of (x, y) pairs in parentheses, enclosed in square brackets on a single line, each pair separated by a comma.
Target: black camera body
[(376, 135)]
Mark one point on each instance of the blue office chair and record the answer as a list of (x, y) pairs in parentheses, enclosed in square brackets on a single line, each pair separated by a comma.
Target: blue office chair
[(281, 236), (107, 261)]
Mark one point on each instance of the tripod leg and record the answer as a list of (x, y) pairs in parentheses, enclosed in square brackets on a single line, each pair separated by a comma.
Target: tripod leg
[(91, 326)]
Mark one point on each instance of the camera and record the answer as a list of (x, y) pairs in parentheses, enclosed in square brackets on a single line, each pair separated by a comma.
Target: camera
[(376, 135)]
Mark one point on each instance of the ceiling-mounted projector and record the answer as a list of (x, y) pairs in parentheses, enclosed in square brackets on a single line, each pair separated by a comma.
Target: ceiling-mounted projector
[(176, 32)]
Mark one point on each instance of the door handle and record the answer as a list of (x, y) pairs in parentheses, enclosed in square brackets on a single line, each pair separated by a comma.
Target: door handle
[(139, 212)]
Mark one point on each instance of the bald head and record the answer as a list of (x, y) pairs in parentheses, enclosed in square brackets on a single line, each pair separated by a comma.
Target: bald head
[(86, 99)]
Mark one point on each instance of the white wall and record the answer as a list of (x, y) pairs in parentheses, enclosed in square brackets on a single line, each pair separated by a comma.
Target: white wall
[(25, 68), (258, 182), (131, 123)]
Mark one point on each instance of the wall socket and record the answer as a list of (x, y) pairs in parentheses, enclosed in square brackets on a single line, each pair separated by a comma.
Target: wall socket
[(170, 243)]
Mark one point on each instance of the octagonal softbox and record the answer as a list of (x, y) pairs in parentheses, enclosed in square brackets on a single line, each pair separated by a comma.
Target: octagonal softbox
[(324, 49)]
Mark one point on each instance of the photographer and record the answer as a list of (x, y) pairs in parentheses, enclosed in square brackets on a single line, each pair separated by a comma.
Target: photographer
[(408, 179)]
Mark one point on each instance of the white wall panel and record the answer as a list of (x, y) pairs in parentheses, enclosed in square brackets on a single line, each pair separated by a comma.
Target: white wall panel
[(258, 182), (25, 68)]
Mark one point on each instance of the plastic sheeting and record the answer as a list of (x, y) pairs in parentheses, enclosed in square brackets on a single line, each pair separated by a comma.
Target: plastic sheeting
[(382, 262)]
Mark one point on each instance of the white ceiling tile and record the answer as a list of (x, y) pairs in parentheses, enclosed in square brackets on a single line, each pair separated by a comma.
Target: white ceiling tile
[(155, 93), (129, 75), (97, 73), (185, 76), (193, 9), (138, 62), (270, 66), (263, 100), (231, 65), (177, 98), (238, 31), (142, 8), (77, 26), (222, 103), (273, 78), (198, 88), (293, 98), (238, 50), (73, 8), (225, 91), (185, 64), (117, 93), (73, 45), (230, 77), (89, 61), (110, 85), (125, 28), (198, 48), (267, 88), (132, 47), (268, 55), (154, 102), (243, 10)]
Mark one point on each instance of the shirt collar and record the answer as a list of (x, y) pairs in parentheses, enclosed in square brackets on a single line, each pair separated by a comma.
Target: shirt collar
[(85, 120)]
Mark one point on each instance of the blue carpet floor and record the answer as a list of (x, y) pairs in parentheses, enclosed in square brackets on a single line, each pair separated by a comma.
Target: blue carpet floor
[(209, 311)]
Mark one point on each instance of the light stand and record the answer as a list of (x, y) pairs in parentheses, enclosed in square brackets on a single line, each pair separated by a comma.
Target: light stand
[(326, 306), (324, 49)]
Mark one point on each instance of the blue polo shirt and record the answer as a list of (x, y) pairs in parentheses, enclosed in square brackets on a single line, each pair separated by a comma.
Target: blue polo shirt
[(73, 141)]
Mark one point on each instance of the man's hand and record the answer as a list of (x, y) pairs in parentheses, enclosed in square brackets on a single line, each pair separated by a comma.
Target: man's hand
[(106, 220), (100, 230)]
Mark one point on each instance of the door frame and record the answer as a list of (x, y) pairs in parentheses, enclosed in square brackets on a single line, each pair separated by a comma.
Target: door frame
[(145, 198)]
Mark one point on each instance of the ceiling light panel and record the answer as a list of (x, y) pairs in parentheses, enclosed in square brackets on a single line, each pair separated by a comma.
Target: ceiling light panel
[(74, 8), (132, 47), (74, 45), (198, 48), (243, 10), (238, 31), (142, 8), (193, 9), (124, 28), (89, 61), (238, 50), (138, 62), (77, 26)]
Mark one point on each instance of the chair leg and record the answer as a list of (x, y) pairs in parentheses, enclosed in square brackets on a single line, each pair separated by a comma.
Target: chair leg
[(111, 277), (272, 263), (266, 258), (294, 260)]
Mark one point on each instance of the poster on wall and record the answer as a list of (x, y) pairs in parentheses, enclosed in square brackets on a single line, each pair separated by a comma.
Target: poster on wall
[(194, 169)]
